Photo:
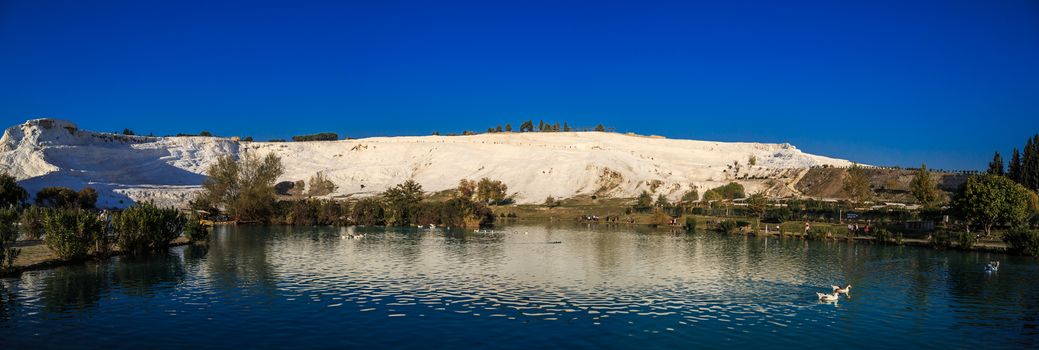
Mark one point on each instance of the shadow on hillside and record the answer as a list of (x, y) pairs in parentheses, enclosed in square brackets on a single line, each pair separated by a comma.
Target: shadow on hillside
[(109, 168)]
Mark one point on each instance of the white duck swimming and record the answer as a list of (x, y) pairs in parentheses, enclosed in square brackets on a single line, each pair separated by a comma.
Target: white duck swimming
[(992, 266), (828, 297), (839, 290)]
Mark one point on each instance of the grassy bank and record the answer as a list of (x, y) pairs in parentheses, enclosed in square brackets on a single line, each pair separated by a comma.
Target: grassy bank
[(36, 256), (577, 209)]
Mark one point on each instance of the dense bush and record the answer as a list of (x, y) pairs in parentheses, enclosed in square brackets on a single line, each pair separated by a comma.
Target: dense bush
[(368, 211), (319, 185), (1023, 241), (8, 236), (457, 212), (660, 219), (57, 197), (31, 222), (194, 230), (816, 234), (966, 240), (730, 191), (144, 227), (882, 235), (777, 216), (61, 197), (942, 238), (727, 226), (690, 224), (70, 233)]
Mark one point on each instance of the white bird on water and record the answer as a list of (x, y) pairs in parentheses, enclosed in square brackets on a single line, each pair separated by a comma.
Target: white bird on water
[(992, 266), (839, 290), (828, 297)]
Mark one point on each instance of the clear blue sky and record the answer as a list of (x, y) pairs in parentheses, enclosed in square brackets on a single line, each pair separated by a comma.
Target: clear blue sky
[(882, 82)]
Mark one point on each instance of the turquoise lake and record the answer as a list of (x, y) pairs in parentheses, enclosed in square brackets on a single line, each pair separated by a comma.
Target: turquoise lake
[(522, 287)]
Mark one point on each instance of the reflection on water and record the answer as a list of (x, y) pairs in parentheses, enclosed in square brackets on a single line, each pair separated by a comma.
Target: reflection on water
[(556, 285)]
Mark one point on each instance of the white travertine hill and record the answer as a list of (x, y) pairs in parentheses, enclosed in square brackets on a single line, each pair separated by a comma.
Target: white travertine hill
[(167, 170)]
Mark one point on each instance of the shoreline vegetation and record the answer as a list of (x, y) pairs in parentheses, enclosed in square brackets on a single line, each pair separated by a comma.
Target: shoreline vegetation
[(994, 211)]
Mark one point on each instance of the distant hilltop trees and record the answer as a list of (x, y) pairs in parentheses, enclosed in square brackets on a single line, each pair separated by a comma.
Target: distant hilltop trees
[(526, 126), (324, 136), (529, 126)]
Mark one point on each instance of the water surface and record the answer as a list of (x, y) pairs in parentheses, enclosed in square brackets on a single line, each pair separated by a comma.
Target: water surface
[(521, 287)]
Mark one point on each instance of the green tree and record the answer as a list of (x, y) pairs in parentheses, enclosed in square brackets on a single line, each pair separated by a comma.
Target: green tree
[(987, 200), (1014, 168), (497, 129), (205, 134), (924, 188), (87, 198), (753, 160), (757, 204), (662, 202), (491, 191), (566, 127), (245, 187), (508, 127), (856, 185), (712, 195), (466, 189), (690, 196), (8, 236), (527, 126), (10, 192), (995, 167), (401, 202), (600, 128), (644, 202), (1030, 164), (128, 132)]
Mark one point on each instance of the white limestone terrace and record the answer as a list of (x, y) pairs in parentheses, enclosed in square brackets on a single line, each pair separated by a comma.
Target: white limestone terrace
[(167, 170)]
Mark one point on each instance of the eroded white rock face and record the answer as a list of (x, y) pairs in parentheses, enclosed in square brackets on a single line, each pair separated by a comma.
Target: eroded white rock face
[(166, 170)]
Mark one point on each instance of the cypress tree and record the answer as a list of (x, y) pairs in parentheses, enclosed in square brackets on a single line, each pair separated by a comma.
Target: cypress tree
[(566, 127), (1030, 166), (995, 167), (1014, 168)]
